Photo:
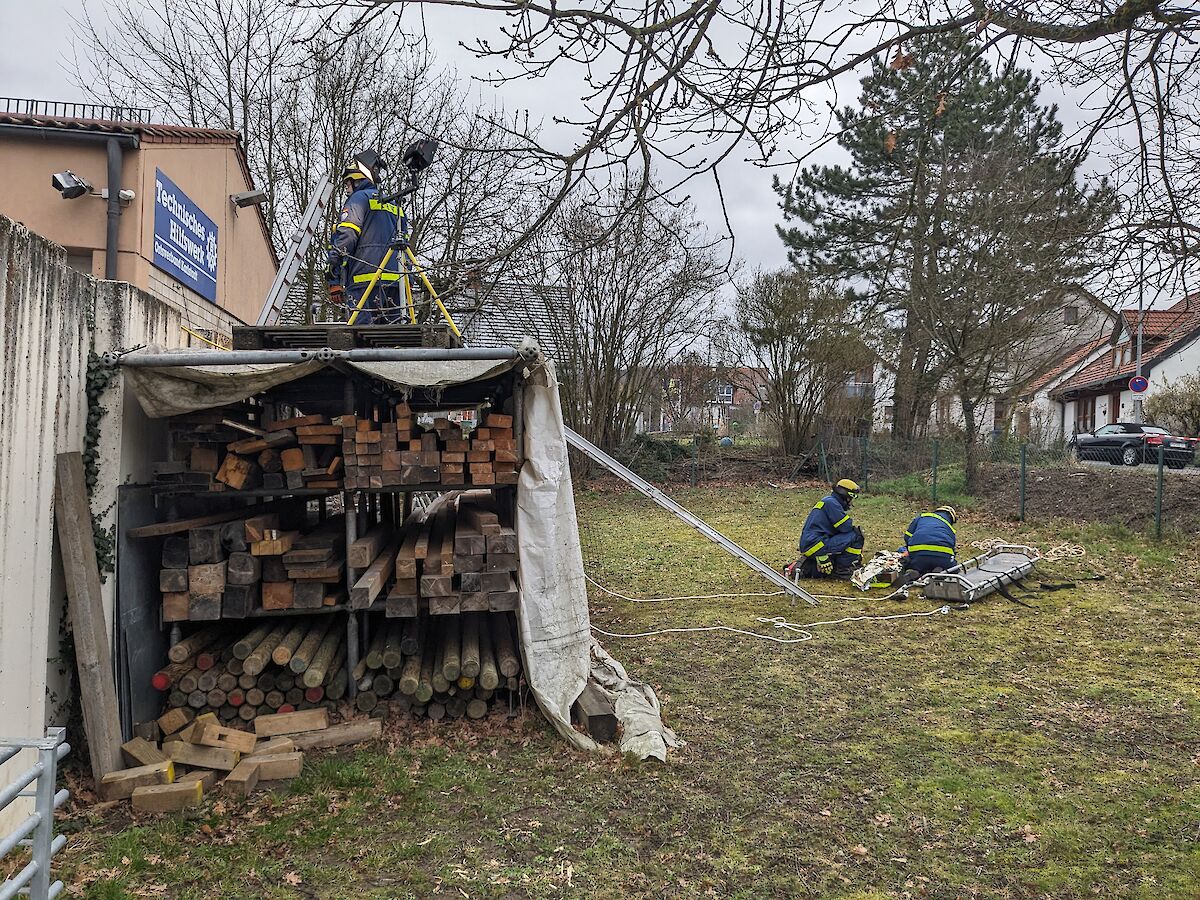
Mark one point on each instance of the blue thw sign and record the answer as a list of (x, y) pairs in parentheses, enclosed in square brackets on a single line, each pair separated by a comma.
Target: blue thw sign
[(185, 239)]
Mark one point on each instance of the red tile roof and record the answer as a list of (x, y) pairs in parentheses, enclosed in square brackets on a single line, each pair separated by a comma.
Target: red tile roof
[(175, 134), (1072, 357), (1171, 328)]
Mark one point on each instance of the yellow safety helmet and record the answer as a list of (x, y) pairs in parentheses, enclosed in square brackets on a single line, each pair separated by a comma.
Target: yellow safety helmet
[(847, 487), (949, 511)]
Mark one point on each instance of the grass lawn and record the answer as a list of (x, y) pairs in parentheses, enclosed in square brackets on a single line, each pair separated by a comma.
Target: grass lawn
[(998, 752)]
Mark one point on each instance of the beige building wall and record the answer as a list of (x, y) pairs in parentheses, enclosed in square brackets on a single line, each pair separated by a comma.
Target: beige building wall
[(208, 172)]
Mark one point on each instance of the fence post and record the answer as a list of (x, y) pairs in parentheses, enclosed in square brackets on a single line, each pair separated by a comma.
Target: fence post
[(1159, 496), (1021, 512), (866, 470), (695, 456), (936, 447), (824, 460)]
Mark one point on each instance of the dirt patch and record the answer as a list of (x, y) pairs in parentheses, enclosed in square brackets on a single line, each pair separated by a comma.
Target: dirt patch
[(1094, 495)]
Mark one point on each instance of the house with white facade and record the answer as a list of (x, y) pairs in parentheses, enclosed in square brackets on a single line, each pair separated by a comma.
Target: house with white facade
[(1089, 386)]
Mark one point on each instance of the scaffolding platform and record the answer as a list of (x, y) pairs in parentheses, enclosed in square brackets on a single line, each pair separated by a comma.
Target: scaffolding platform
[(342, 337)]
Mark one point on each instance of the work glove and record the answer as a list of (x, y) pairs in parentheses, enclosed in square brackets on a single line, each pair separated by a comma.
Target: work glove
[(825, 565), (337, 293)]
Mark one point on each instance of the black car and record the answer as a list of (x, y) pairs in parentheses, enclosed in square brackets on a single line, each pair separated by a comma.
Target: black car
[(1130, 444)]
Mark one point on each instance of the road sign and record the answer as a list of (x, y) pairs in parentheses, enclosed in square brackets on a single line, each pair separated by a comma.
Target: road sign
[(185, 239), (1139, 383)]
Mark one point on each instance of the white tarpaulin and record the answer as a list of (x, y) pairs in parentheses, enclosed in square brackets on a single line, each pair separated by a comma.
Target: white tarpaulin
[(559, 651)]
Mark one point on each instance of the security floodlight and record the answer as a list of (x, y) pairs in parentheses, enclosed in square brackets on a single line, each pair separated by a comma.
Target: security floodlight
[(69, 185), (419, 154), (249, 198)]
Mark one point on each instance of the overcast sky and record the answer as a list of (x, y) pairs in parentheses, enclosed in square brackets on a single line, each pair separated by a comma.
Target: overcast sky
[(34, 45), (35, 49)]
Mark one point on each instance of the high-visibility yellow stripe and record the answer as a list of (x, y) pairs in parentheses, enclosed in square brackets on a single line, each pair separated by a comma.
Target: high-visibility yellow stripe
[(931, 548), (383, 276), (820, 504), (940, 519), (908, 534), (386, 207), (349, 225), (814, 548), (857, 551), (844, 518)]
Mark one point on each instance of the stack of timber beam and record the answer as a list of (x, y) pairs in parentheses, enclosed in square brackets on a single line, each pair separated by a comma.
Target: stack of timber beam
[(460, 555), (441, 666), (278, 666), (403, 452), (223, 450), (244, 567), (180, 757)]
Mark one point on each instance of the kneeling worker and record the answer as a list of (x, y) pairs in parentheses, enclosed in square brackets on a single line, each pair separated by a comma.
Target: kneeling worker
[(930, 542), (831, 544)]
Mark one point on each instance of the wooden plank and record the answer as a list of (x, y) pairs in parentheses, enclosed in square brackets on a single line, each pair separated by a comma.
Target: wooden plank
[(206, 777), (121, 784), (257, 526), (215, 735), (77, 549), (278, 765), (275, 546), (278, 595), (140, 752), (243, 779), (339, 735), (174, 719), (297, 422), (291, 723), (272, 746), (595, 714), (364, 550), (504, 542), (168, 797), (181, 525), (205, 757), (370, 585)]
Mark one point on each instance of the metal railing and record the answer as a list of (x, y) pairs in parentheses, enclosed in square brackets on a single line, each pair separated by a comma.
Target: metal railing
[(22, 106), (34, 878)]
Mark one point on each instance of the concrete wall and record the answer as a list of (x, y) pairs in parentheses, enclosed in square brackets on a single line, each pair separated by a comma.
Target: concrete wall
[(50, 316), (44, 309)]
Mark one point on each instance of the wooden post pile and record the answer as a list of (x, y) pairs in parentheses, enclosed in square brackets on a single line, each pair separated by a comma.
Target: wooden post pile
[(280, 665), (441, 666), (225, 451), (238, 568), (178, 758), (403, 452), (459, 556)]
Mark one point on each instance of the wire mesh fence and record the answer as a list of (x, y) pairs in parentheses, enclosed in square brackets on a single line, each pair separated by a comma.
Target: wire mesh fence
[(1147, 483)]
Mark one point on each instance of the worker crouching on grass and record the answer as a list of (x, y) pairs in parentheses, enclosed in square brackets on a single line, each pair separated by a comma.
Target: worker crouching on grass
[(930, 542), (366, 229), (831, 545)]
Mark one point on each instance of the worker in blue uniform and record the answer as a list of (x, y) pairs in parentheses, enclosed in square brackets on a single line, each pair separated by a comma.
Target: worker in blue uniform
[(366, 229), (930, 542), (831, 545)]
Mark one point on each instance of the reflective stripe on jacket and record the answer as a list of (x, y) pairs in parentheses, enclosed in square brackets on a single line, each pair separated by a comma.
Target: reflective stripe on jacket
[(361, 237), (931, 533), (828, 530)]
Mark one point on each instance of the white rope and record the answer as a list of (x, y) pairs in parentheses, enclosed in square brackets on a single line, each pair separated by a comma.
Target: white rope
[(668, 599), (777, 622), (621, 596)]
